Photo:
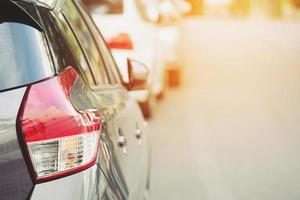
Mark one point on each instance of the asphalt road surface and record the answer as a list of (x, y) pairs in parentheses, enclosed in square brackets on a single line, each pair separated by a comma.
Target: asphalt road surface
[(232, 131)]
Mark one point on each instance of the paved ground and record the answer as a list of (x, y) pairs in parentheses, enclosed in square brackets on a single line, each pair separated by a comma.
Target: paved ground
[(232, 132)]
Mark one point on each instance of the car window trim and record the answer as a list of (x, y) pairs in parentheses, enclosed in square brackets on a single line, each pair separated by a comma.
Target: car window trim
[(78, 8), (50, 50), (80, 45), (114, 61)]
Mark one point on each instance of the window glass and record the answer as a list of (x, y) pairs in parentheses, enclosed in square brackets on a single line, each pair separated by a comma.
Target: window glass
[(109, 61), (63, 42), (105, 52), (88, 43), (18, 65)]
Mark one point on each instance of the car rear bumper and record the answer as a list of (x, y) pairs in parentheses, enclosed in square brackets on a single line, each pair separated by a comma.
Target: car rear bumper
[(80, 186)]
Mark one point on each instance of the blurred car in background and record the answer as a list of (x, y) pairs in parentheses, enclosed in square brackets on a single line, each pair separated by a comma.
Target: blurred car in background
[(170, 13), (143, 30), (119, 19), (68, 127), (184, 6), (196, 7)]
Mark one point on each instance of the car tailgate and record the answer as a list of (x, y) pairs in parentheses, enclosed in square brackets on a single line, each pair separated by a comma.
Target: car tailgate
[(15, 181)]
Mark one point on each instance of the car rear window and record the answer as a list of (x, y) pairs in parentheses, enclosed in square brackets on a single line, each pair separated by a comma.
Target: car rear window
[(25, 57)]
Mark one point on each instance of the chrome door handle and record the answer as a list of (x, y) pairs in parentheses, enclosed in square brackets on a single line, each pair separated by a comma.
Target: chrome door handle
[(122, 141), (138, 133)]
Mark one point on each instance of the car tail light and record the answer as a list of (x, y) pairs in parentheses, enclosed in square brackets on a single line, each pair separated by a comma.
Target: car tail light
[(58, 139), (120, 41)]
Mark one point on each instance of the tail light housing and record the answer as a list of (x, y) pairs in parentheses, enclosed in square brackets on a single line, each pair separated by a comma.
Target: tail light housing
[(57, 138), (120, 41)]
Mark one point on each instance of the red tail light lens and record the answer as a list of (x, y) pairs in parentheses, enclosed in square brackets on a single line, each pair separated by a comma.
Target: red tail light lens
[(59, 139), (120, 41)]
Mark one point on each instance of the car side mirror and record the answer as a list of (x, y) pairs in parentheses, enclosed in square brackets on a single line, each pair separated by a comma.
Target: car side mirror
[(138, 75)]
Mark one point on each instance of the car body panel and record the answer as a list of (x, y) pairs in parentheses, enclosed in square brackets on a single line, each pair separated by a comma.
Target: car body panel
[(90, 184), (15, 180), (80, 186), (125, 118)]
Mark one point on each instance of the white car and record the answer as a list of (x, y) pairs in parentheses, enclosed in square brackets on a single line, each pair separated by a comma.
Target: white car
[(168, 15)]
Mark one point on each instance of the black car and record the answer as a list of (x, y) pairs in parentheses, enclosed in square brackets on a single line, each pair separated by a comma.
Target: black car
[(68, 128)]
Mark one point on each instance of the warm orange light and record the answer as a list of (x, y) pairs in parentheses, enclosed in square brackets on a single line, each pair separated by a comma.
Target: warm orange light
[(218, 2)]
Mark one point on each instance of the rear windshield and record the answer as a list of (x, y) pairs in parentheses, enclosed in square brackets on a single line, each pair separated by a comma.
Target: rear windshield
[(23, 50)]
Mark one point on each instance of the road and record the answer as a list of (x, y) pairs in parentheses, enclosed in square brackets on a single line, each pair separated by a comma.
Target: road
[(232, 131)]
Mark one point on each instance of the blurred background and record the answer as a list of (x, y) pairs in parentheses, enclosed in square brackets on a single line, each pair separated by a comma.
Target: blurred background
[(223, 98)]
